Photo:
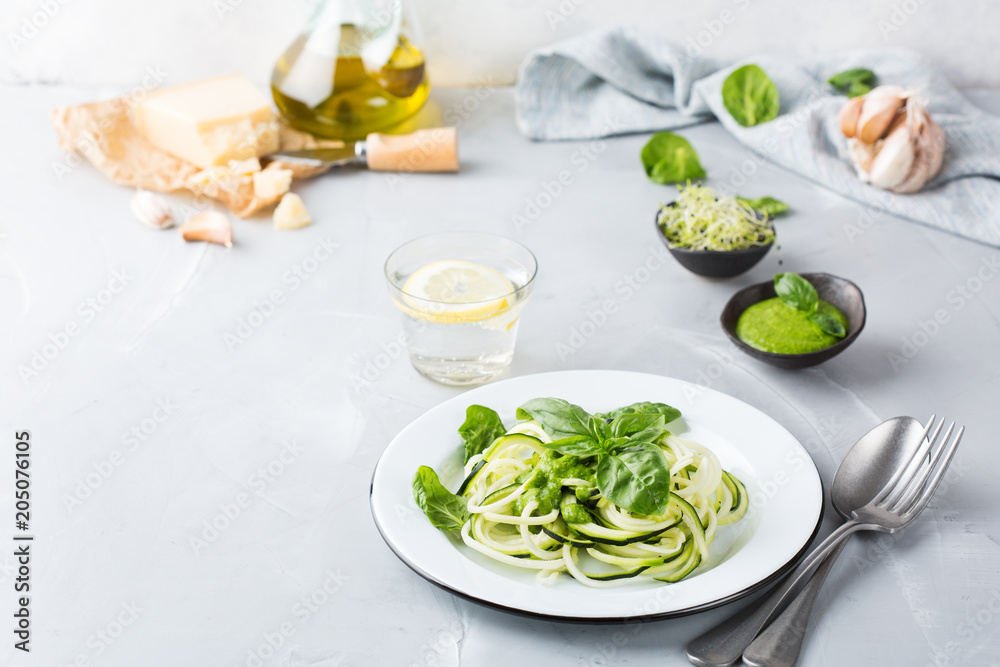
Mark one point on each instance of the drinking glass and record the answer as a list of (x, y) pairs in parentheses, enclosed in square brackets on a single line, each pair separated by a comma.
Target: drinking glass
[(461, 295)]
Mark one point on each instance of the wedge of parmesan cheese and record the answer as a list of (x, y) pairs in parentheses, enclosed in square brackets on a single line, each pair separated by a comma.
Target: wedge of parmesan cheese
[(210, 122), (271, 184), (291, 213)]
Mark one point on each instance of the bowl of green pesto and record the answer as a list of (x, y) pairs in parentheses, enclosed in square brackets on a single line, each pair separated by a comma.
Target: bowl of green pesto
[(795, 321)]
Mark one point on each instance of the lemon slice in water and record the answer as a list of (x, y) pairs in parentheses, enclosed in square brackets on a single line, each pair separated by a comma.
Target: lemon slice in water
[(455, 290)]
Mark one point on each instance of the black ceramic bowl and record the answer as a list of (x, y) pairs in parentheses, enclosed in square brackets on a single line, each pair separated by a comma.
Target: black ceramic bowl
[(842, 293), (714, 263)]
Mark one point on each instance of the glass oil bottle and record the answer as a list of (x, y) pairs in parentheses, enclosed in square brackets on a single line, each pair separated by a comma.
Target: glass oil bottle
[(356, 69)]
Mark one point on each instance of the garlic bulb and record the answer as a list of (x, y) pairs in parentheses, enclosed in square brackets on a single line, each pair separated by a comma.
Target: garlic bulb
[(210, 226), (151, 210), (892, 141)]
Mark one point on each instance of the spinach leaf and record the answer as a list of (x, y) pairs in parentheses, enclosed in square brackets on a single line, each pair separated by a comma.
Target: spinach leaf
[(642, 427), (796, 292), (669, 158), (559, 418), (637, 480), (849, 76), (577, 445), (643, 408), (854, 82), (857, 89), (829, 324), (481, 427), (750, 97), (444, 509), (767, 205)]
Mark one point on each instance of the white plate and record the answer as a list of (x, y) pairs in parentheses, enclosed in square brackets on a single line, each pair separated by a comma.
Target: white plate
[(784, 487)]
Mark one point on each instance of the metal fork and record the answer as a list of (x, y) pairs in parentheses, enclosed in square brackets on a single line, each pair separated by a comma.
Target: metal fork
[(898, 503)]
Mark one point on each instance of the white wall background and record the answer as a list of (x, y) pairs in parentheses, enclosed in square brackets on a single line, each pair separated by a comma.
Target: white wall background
[(114, 41)]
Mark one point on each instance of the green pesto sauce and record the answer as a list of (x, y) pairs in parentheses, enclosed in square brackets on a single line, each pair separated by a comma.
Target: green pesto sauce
[(773, 326), (545, 481), (574, 513)]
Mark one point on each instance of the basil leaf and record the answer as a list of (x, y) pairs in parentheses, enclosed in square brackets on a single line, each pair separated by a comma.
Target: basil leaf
[(637, 480), (643, 427), (619, 443), (444, 509), (481, 428), (669, 158), (829, 324), (643, 408), (750, 97), (577, 445), (796, 292), (856, 81), (599, 428), (559, 418), (766, 205)]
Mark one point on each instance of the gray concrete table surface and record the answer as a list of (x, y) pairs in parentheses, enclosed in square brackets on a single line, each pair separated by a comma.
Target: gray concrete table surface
[(201, 473)]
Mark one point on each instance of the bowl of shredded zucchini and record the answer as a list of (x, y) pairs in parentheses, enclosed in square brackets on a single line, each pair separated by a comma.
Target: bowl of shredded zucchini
[(714, 236)]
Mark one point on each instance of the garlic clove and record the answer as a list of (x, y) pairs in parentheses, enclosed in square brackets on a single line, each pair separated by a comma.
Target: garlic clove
[(151, 210), (928, 142), (894, 161), (849, 116), (919, 174), (931, 136), (861, 155), (900, 119), (888, 90), (210, 226), (934, 141), (878, 112)]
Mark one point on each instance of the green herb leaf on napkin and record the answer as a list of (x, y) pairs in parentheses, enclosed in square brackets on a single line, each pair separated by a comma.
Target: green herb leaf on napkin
[(750, 97), (853, 82)]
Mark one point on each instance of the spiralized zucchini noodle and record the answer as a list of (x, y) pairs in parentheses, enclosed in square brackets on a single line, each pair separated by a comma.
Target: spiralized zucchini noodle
[(667, 548)]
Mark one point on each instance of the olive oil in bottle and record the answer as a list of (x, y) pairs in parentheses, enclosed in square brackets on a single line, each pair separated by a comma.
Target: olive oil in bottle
[(355, 70)]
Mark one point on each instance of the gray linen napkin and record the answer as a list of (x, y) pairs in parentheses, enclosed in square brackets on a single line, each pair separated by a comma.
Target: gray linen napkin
[(623, 80)]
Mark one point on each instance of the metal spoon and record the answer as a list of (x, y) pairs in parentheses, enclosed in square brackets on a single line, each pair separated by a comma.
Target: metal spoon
[(865, 470), (856, 482)]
